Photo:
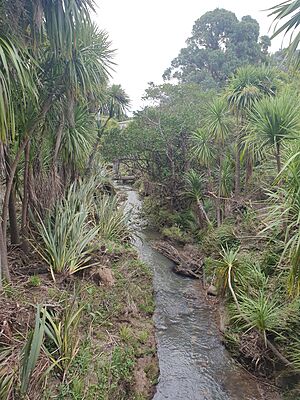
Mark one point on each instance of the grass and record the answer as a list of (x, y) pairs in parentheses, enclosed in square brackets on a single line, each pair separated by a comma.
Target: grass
[(92, 357), (34, 281), (116, 341)]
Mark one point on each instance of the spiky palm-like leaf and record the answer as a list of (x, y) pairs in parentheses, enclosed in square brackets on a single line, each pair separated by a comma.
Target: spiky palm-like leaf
[(116, 102), (78, 140), (14, 73), (217, 120), (62, 19), (227, 268), (112, 220), (284, 214), (194, 186), (262, 312), (287, 13), (274, 120), (32, 351), (250, 84), (202, 148), (62, 331), (91, 63), (226, 177), (67, 233)]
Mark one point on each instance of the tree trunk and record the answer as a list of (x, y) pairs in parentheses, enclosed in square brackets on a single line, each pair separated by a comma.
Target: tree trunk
[(96, 146), (3, 259), (238, 170), (219, 200), (202, 214), (59, 136), (116, 167), (278, 158), (70, 108), (249, 169), (13, 225), (9, 184), (24, 225)]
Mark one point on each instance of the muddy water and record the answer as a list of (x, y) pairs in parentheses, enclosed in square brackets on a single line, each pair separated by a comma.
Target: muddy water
[(194, 364)]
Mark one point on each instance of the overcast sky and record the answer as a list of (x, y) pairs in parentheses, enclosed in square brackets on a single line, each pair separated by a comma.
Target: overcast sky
[(149, 34)]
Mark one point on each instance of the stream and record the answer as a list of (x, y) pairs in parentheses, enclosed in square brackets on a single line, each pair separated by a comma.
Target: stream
[(193, 363)]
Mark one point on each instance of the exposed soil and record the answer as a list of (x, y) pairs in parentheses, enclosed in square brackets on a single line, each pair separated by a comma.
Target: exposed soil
[(116, 324)]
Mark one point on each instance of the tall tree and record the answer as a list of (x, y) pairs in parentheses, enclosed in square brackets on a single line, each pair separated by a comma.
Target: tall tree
[(246, 87), (219, 44), (273, 121)]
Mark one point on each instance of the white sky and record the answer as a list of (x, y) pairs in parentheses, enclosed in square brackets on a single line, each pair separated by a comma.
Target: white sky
[(149, 34)]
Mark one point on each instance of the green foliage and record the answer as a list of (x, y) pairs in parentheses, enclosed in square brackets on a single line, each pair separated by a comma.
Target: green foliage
[(283, 217), (78, 140), (287, 14), (226, 269), (217, 238), (67, 234), (32, 349), (158, 216), (112, 220), (157, 139), (14, 70), (116, 102), (218, 121), (250, 84), (219, 44), (194, 186), (7, 375), (250, 277), (35, 281), (202, 147), (126, 334), (116, 372), (262, 312), (62, 331), (75, 222), (274, 121), (143, 336), (175, 233)]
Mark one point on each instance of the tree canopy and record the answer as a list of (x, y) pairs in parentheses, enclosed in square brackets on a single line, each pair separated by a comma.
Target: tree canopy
[(219, 44)]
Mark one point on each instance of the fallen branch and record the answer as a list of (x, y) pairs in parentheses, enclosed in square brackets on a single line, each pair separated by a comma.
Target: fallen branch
[(185, 264)]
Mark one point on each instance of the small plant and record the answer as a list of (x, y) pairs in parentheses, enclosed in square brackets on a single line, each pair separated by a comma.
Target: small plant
[(7, 374), (143, 336), (261, 312), (147, 306), (217, 238), (67, 234), (112, 220), (175, 233), (126, 333), (63, 336), (32, 349), (115, 373), (34, 281), (250, 276), (293, 351), (226, 269)]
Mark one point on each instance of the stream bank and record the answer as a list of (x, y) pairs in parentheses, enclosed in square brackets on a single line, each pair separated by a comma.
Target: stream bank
[(193, 363), (113, 343)]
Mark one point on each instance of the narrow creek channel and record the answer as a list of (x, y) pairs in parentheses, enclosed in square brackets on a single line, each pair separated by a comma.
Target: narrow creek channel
[(193, 363)]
